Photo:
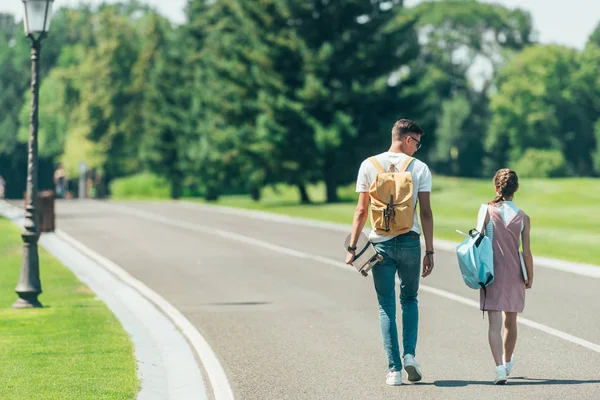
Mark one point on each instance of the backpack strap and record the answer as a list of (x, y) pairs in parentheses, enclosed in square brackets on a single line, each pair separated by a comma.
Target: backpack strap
[(483, 211), (377, 165), (406, 164)]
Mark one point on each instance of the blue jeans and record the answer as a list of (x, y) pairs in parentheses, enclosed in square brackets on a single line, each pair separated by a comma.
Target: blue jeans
[(401, 255)]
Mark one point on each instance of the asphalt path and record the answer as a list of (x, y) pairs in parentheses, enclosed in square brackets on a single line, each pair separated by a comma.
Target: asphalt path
[(287, 321)]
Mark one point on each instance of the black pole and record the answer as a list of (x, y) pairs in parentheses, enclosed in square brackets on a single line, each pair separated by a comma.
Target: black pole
[(29, 286)]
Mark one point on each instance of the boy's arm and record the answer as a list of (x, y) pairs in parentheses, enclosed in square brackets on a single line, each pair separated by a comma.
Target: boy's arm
[(427, 225), (360, 218)]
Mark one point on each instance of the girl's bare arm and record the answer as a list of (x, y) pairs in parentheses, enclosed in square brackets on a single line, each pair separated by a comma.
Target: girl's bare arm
[(527, 256)]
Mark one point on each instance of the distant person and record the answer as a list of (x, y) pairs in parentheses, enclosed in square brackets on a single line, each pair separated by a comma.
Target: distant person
[(507, 226), (2, 187), (60, 182), (92, 183), (89, 184), (400, 247)]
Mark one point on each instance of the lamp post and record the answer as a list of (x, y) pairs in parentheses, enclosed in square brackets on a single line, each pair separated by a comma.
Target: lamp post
[(37, 23)]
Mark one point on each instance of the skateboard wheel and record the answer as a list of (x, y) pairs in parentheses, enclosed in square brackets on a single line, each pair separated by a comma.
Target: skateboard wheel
[(364, 273)]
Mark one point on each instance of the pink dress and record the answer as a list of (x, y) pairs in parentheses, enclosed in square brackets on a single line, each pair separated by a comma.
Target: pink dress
[(507, 292)]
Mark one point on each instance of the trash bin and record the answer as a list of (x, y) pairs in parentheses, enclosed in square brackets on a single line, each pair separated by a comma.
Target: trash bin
[(45, 207), (45, 218)]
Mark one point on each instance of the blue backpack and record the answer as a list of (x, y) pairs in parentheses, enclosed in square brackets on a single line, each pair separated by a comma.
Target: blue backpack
[(476, 256)]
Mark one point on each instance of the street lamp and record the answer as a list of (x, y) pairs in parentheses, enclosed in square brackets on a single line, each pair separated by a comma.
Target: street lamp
[(37, 24)]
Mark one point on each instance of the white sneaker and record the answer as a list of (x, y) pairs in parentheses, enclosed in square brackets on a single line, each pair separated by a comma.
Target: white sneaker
[(394, 378), (412, 368), (500, 375), (509, 365)]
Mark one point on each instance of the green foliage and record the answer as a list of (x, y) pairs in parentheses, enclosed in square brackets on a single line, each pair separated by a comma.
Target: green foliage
[(547, 99), (595, 36), (106, 104), (140, 186), (537, 163), (53, 124), (597, 152), (453, 139), (586, 99), (250, 94), (239, 91), (100, 80), (475, 29), (349, 99), (456, 36), (14, 80), (160, 82)]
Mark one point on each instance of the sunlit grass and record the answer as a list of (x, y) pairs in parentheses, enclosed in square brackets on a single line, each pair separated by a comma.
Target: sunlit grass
[(73, 348)]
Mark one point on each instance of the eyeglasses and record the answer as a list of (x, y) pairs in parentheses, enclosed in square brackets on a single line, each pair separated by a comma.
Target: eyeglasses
[(418, 142)]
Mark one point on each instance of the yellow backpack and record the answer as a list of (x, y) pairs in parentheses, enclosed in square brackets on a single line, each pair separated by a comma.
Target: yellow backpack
[(392, 206)]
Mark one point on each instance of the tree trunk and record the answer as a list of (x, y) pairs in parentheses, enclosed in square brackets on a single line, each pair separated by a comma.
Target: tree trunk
[(304, 198), (176, 188), (255, 194), (212, 194), (331, 184), (332, 196)]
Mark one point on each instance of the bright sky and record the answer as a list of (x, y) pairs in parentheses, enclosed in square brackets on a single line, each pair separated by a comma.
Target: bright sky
[(557, 21)]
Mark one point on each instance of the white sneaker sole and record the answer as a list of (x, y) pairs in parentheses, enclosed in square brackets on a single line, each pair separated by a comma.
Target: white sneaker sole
[(414, 375)]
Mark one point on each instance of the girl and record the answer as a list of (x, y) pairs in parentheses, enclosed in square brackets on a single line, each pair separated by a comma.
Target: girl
[(506, 226)]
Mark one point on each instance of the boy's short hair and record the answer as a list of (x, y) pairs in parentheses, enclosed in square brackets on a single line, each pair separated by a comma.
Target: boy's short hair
[(403, 127)]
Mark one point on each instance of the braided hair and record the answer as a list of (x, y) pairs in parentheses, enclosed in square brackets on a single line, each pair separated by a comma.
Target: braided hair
[(506, 182)]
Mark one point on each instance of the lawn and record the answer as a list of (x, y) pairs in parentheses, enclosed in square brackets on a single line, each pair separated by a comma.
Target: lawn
[(73, 348), (565, 213)]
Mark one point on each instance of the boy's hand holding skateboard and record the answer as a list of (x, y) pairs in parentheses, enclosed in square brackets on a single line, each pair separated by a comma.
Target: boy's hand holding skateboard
[(350, 256), (363, 256)]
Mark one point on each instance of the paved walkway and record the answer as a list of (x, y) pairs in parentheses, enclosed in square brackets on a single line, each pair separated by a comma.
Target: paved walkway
[(287, 320)]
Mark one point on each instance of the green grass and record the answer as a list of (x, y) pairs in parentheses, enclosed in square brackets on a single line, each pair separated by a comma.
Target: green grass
[(74, 348), (140, 186), (565, 213)]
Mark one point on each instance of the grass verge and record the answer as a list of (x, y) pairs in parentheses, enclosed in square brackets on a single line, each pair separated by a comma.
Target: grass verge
[(73, 348), (140, 186)]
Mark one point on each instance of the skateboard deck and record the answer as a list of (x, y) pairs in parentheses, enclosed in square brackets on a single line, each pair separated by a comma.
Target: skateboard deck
[(365, 257)]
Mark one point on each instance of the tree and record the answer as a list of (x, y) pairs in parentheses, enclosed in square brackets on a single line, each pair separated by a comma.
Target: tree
[(101, 119), (546, 100), (456, 37), (70, 37), (451, 141), (15, 75), (53, 116), (457, 33), (248, 64), (356, 83), (597, 152), (224, 98), (161, 83), (586, 85), (595, 36)]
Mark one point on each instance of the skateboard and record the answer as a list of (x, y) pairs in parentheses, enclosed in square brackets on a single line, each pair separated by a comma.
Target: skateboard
[(366, 257)]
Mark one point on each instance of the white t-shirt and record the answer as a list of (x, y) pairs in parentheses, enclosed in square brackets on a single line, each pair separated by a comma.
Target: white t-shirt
[(421, 182)]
